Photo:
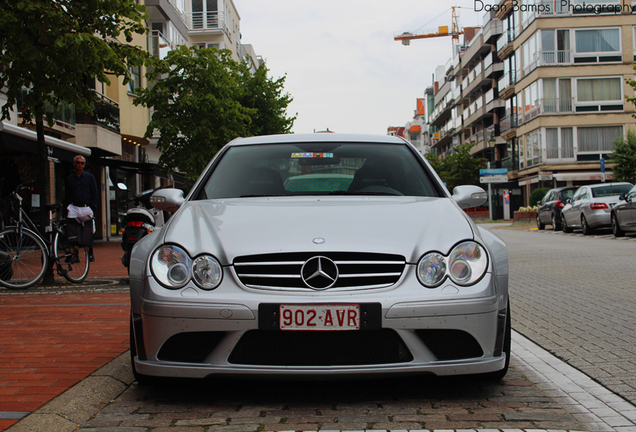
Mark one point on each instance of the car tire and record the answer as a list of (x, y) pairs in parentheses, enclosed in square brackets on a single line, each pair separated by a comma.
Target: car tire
[(498, 375), (540, 224), (616, 228), (140, 378), (556, 226), (585, 227), (564, 225)]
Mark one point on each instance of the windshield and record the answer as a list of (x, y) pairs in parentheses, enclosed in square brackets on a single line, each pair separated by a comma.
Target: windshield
[(318, 169), (610, 190)]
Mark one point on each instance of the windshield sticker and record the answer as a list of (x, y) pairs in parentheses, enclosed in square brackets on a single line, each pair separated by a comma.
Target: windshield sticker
[(311, 155)]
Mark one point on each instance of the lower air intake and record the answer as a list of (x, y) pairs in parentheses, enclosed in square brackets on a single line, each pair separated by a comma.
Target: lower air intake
[(320, 348)]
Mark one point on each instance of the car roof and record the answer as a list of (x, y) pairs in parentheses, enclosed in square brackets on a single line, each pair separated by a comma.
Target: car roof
[(595, 185), (318, 138)]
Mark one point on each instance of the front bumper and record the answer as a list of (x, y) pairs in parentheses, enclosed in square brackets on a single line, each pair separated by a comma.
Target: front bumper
[(442, 331)]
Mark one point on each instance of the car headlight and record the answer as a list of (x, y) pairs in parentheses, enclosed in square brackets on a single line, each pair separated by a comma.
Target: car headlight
[(465, 265), (206, 272), (173, 268)]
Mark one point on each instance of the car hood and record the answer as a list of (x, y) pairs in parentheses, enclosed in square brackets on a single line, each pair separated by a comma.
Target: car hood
[(235, 227)]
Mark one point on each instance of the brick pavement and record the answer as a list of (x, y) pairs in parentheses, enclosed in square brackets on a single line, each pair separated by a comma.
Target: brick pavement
[(575, 296), (53, 337)]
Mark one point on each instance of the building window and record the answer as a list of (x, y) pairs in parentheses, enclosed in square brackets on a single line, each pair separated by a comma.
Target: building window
[(598, 45), (135, 79), (597, 139), (599, 94), (559, 149), (533, 148)]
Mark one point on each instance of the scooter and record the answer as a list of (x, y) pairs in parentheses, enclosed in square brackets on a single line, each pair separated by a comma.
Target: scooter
[(140, 219)]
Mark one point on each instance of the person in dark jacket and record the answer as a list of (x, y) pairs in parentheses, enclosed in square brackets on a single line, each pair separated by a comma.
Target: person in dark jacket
[(81, 195)]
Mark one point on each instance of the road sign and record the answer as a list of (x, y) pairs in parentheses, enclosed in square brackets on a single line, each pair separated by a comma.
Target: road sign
[(494, 179), (493, 171)]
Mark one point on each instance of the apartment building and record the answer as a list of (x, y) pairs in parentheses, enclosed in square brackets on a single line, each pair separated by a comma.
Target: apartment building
[(565, 87), (112, 139), (540, 90), (216, 24)]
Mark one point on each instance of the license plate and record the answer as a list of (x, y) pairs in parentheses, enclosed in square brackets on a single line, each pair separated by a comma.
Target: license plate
[(320, 317)]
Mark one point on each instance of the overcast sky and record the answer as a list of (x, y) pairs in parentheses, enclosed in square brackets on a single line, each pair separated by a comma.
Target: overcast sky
[(343, 68)]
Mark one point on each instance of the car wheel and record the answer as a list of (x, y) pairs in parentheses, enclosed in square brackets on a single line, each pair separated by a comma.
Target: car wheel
[(140, 378), (540, 224), (556, 226), (495, 376), (584, 226), (616, 228), (564, 225)]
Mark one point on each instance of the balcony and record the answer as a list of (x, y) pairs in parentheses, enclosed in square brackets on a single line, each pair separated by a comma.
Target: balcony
[(207, 22), (63, 115), (504, 44), (506, 85), (158, 44), (100, 130), (549, 106)]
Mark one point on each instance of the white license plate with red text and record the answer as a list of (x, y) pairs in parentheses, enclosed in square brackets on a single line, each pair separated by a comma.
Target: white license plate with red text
[(320, 317)]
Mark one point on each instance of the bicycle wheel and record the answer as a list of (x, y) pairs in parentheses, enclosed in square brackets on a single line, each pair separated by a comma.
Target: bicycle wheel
[(23, 258), (72, 261)]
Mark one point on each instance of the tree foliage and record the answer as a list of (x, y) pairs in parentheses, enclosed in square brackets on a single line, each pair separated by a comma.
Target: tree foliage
[(624, 158), (458, 168), (54, 49), (203, 100)]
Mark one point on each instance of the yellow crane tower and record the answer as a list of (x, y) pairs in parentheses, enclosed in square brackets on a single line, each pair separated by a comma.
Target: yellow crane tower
[(406, 37)]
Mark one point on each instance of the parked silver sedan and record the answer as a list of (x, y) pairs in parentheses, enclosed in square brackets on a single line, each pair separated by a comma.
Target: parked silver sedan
[(319, 255), (624, 214), (591, 206)]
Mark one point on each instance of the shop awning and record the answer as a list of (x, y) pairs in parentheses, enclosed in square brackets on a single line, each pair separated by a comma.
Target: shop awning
[(582, 176), (50, 141)]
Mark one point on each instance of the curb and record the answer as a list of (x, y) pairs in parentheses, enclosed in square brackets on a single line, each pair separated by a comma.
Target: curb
[(81, 402)]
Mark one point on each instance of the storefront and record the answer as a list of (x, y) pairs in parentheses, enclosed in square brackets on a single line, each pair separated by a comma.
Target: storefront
[(19, 163)]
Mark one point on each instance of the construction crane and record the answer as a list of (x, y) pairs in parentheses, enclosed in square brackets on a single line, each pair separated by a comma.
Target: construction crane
[(406, 37)]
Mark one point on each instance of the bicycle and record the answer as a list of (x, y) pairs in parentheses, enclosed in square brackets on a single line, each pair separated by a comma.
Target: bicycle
[(25, 255)]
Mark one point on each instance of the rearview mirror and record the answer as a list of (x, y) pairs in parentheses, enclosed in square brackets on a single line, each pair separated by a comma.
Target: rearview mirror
[(167, 199), (469, 196)]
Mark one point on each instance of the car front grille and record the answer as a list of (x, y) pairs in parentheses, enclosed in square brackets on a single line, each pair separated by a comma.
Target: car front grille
[(282, 271), (322, 348)]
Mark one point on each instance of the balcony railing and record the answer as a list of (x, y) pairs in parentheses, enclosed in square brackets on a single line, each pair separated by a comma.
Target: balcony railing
[(207, 21), (506, 80), (549, 106), (508, 122), (560, 153), (105, 113), (63, 114), (549, 58), (158, 44)]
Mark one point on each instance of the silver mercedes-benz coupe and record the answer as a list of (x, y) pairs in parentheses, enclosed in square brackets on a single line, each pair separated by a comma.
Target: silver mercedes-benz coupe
[(321, 255)]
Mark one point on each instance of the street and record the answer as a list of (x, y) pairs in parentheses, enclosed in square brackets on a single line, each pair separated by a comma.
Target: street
[(571, 294), (575, 296)]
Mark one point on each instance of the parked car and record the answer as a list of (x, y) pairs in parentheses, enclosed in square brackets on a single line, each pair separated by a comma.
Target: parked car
[(549, 211), (623, 215), (590, 207), (381, 273)]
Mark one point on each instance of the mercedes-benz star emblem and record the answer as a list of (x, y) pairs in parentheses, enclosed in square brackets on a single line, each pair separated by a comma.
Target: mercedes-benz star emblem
[(319, 273)]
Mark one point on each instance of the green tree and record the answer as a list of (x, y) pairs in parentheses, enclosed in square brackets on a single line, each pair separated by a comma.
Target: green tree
[(202, 99), (56, 49), (458, 168), (266, 96), (624, 158)]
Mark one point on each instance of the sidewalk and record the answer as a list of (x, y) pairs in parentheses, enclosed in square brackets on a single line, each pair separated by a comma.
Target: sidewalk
[(55, 336)]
